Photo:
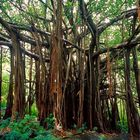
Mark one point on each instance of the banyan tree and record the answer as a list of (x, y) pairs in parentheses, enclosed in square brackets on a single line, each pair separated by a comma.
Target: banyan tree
[(76, 59)]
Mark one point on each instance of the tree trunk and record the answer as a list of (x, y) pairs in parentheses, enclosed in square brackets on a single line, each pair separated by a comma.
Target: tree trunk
[(0, 78), (30, 85), (56, 68), (18, 109), (137, 72), (132, 113)]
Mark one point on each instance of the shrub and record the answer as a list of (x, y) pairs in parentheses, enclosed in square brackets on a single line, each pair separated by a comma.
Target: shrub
[(25, 129), (122, 126), (4, 123), (83, 128), (50, 121)]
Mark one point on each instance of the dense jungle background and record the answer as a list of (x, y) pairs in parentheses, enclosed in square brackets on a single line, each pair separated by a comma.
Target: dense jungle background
[(68, 67)]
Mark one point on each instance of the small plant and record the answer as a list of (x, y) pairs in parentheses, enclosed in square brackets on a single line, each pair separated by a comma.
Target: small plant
[(47, 137), (74, 126), (13, 135), (95, 128), (28, 126), (4, 123), (102, 137), (83, 128), (50, 121), (122, 126), (25, 129)]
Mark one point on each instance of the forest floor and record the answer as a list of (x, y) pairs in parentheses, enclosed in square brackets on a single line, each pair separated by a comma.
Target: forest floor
[(70, 135), (30, 129), (100, 136)]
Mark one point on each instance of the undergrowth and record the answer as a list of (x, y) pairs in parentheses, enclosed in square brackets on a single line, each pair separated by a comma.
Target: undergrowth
[(122, 126), (25, 129)]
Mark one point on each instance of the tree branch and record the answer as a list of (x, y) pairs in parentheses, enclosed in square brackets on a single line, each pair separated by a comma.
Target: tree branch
[(132, 43), (28, 53), (87, 18), (126, 14)]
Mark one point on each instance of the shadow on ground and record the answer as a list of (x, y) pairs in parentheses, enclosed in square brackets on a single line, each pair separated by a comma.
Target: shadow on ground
[(102, 137)]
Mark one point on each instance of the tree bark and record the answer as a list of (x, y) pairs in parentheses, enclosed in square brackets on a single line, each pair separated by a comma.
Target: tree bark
[(18, 109), (0, 78), (132, 113)]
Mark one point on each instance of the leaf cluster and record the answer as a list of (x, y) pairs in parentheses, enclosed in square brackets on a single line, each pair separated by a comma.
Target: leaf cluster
[(122, 127), (25, 129), (50, 121)]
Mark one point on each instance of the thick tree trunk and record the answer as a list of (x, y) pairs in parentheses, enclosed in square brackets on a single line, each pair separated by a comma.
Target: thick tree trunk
[(19, 95), (56, 68)]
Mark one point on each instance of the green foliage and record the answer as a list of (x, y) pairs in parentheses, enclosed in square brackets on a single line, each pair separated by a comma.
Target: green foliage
[(4, 123), (27, 126), (107, 8), (5, 90), (13, 135), (5, 84), (95, 128), (50, 136), (102, 137), (122, 126), (25, 129), (83, 128), (74, 126), (34, 110), (50, 121)]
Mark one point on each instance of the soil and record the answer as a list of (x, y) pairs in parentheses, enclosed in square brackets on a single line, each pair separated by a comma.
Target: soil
[(103, 137)]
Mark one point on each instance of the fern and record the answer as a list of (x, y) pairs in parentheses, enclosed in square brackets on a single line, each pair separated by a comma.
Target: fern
[(13, 135), (4, 123), (26, 129), (50, 121)]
